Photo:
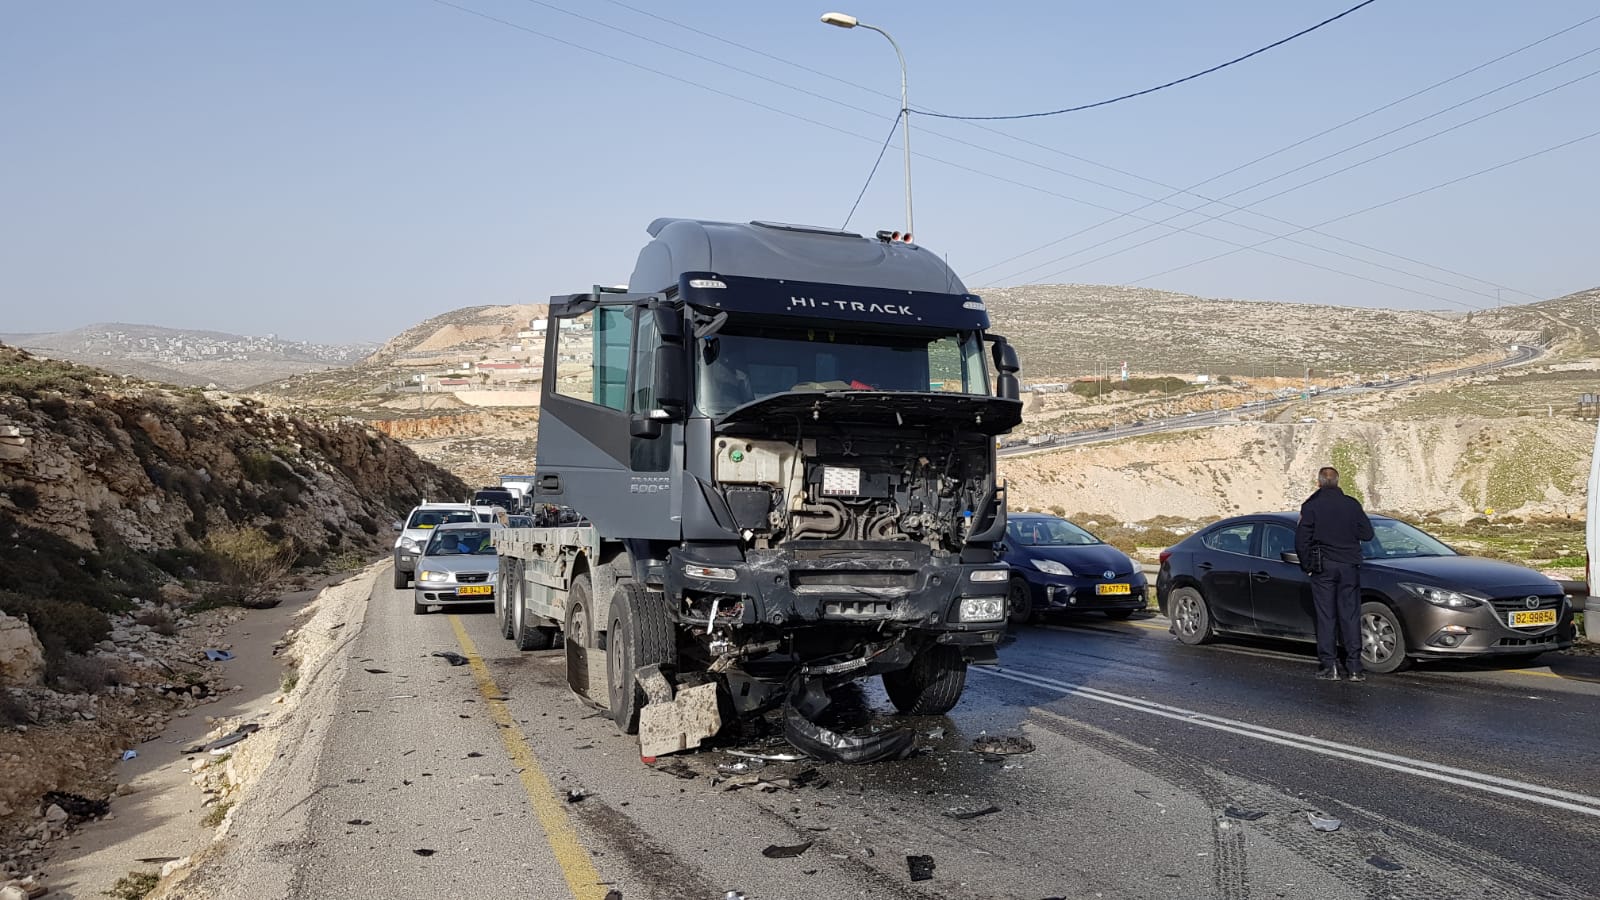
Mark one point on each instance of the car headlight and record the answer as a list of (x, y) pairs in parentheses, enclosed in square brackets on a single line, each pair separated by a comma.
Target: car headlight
[(409, 545), (1439, 596), (433, 576), (990, 575), (1050, 567), (982, 609), (710, 573)]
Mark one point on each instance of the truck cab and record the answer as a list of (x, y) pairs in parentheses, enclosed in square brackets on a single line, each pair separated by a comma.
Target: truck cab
[(778, 444)]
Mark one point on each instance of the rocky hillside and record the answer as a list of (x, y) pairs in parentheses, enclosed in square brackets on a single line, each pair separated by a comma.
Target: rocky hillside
[(461, 330), (1064, 331)]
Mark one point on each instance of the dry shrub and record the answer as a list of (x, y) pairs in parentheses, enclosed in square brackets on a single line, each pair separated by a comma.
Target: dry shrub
[(251, 564)]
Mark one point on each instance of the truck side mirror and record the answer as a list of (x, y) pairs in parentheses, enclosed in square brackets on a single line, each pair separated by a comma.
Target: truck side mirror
[(1006, 384), (670, 379), (640, 425)]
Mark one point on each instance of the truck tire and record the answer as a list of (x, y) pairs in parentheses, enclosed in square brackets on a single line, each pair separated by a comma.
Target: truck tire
[(401, 579), (507, 596), (931, 685), (579, 638), (641, 634)]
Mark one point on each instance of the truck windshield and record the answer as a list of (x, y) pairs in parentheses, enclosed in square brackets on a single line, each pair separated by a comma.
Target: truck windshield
[(742, 363)]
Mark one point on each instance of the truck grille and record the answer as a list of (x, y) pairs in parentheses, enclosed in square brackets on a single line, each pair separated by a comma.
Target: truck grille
[(903, 581), (856, 609)]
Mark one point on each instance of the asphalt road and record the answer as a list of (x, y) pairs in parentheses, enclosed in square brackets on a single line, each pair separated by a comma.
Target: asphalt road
[(1524, 353), (1488, 788)]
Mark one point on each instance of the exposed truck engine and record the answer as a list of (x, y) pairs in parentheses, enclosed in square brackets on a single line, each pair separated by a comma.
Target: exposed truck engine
[(765, 468)]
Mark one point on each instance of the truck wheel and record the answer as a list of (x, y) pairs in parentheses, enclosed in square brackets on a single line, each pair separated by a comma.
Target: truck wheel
[(401, 579), (579, 639), (507, 597), (641, 634), (931, 685)]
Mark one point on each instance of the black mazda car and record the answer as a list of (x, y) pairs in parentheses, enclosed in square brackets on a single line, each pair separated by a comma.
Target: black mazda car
[(1420, 599), (1058, 567)]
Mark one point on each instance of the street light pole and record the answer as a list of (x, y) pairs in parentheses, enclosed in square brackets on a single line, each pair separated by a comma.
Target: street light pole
[(842, 20)]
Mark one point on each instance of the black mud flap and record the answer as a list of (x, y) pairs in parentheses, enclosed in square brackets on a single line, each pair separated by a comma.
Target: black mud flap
[(829, 746)]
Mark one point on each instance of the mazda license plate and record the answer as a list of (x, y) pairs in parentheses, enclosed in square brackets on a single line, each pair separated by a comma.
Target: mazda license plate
[(474, 590), (1113, 589), (1532, 618)]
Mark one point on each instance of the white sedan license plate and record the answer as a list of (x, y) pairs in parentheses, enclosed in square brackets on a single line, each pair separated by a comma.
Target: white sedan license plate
[(1532, 618), (474, 590)]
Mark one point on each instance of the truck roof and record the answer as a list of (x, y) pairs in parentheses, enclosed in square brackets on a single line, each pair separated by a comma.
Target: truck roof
[(788, 252)]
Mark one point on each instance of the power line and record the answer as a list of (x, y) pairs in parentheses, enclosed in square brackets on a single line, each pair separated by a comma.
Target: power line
[(1214, 216), (875, 163), (982, 148), (1444, 184), (1279, 151), (1160, 87)]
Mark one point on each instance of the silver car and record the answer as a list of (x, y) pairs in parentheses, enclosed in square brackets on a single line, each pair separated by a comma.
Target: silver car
[(415, 531), (458, 564)]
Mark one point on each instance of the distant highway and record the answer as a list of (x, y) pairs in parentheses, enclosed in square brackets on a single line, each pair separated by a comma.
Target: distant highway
[(1523, 353)]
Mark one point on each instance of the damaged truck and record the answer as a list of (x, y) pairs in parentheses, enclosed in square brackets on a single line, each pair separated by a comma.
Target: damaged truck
[(766, 467)]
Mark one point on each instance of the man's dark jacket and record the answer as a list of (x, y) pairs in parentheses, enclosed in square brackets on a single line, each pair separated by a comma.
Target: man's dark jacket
[(1331, 520)]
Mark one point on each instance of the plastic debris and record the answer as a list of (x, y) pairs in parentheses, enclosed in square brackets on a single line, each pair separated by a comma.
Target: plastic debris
[(358, 822), (971, 813), (830, 746), (376, 671), (1323, 823), (921, 867), (734, 895), (768, 757), (777, 852), (740, 768), (999, 745), (935, 734), (474, 755), (1380, 862), (129, 754), (678, 770), (575, 795), (218, 655), (1248, 815), (452, 657), (423, 851), (227, 740)]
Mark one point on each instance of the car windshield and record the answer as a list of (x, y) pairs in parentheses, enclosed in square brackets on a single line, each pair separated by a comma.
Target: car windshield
[(433, 518), (1397, 540), (461, 542), (1048, 533), (746, 362)]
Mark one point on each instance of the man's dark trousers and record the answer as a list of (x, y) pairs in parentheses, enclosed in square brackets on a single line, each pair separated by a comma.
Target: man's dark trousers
[(1336, 592)]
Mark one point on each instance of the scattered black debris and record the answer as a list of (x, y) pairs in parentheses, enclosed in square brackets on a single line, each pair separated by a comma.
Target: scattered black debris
[(355, 781), (575, 796), (423, 851), (1323, 823), (376, 671), (1387, 865), (1248, 815), (830, 746), (613, 894), (227, 740), (921, 867), (678, 770), (1002, 745), (777, 852), (76, 805), (474, 755), (452, 657), (971, 813), (358, 822), (1145, 794)]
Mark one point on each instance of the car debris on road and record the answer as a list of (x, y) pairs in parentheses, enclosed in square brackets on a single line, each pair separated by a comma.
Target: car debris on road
[(1323, 823), (920, 867), (1001, 745), (452, 657)]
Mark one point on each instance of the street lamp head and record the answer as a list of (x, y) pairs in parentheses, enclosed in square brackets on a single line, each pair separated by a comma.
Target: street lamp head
[(839, 19)]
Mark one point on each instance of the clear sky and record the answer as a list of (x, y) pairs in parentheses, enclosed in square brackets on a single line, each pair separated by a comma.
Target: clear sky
[(340, 170)]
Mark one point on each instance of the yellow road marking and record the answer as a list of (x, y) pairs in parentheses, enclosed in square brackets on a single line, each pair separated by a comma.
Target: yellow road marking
[(582, 877)]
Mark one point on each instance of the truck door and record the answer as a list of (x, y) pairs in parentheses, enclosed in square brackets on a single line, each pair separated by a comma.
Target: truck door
[(598, 369)]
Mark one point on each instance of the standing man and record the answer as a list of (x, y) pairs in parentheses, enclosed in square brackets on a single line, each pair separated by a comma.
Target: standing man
[(1328, 542)]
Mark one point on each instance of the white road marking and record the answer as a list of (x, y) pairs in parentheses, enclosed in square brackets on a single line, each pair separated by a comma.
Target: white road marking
[(1466, 778)]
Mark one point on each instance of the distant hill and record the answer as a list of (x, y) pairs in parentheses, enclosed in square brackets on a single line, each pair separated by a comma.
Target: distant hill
[(459, 332), (186, 356), (1570, 324), (1069, 330)]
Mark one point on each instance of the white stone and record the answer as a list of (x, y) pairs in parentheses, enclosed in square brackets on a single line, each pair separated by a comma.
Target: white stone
[(55, 815), (21, 654), (175, 865)]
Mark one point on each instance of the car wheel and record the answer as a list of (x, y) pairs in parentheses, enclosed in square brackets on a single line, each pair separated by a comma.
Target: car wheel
[(1383, 640), (641, 634), (1191, 617), (931, 685), (401, 579), (1120, 613), (1019, 602), (418, 608)]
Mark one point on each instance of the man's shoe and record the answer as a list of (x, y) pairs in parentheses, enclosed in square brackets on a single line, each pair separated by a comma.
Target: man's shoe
[(1357, 676), (1327, 675)]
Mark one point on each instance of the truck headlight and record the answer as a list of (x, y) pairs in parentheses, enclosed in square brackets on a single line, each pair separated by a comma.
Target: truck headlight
[(433, 576), (1050, 567), (710, 573), (982, 609), (989, 576), (1439, 596)]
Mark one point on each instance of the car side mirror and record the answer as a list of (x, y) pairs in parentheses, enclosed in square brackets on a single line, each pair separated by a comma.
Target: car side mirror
[(1290, 557), (399, 526)]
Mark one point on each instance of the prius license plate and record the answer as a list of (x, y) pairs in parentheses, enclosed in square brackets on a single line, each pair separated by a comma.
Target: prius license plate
[(473, 590), (1104, 589), (1532, 618)]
